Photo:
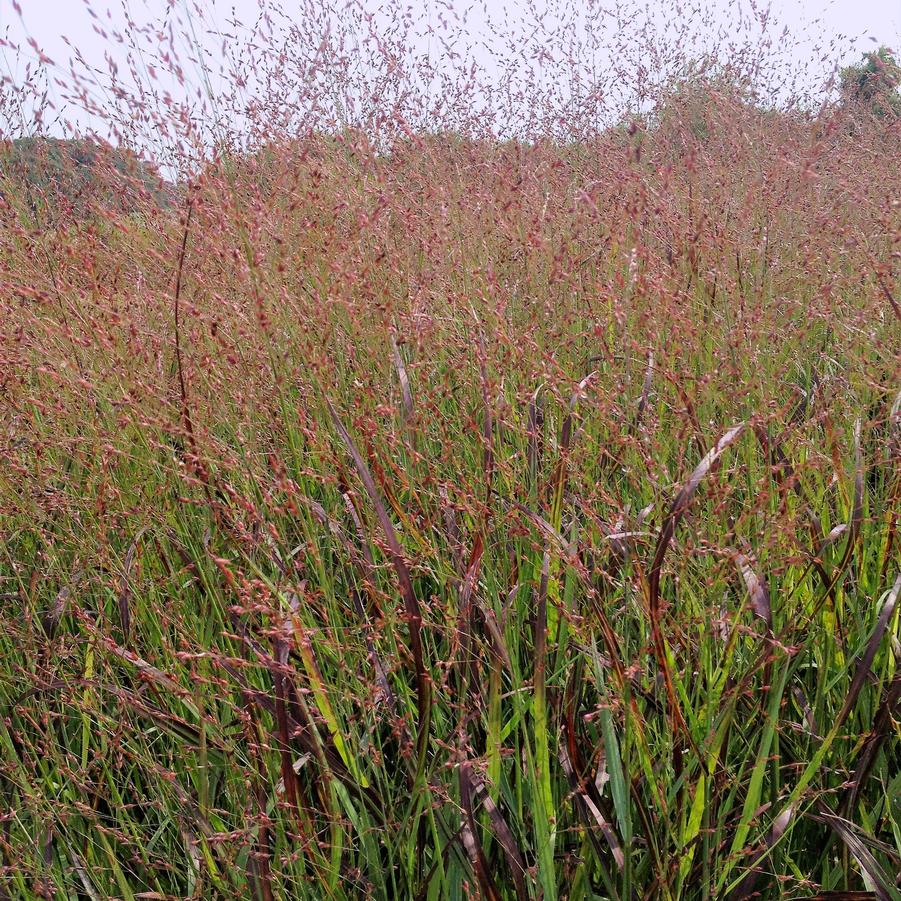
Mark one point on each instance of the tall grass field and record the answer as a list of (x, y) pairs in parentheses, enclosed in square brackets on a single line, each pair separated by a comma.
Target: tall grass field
[(429, 481)]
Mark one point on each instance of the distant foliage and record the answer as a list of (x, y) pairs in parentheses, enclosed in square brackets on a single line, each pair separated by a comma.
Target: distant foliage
[(60, 179), (873, 83), (693, 108)]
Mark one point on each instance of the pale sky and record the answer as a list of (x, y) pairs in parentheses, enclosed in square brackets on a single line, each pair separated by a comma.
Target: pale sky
[(843, 28), (48, 21)]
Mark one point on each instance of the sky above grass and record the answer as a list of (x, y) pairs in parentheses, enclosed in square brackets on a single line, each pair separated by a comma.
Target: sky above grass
[(50, 22), (841, 30)]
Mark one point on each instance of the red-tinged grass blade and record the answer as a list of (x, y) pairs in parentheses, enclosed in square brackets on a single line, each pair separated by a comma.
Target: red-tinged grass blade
[(147, 670), (544, 813), (888, 295), (554, 536), (471, 576), (403, 379), (539, 641), (893, 440), (843, 896), (487, 421), (302, 733), (471, 841), (645, 388), (465, 616), (259, 864), (807, 710), (289, 777), (402, 513), (783, 471), (834, 535), (571, 556), (335, 527), (866, 662), (381, 674), (304, 646), (785, 475), (451, 526), (494, 631), (758, 592), (893, 455), (364, 560), (504, 837), (566, 434), (176, 307), (558, 480), (676, 511), (882, 728), (882, 887), (173, 725), (535, 435), (690, 411), (590, 812), (449, 845), (856, 519), (857, 507), (259, 869), (411, 603), (365, 549), (50, 620), (860, 676), (125, 591), (746, 888), (681, 503), (83, 876)]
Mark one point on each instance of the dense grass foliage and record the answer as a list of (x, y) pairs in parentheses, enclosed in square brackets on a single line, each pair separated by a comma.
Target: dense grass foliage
[(459, 517)]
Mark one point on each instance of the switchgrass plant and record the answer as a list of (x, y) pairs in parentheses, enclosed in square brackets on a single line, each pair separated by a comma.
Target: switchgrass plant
[(420, 513)]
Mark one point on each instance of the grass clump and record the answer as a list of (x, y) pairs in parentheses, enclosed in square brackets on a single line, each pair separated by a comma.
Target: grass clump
[(442, 516)]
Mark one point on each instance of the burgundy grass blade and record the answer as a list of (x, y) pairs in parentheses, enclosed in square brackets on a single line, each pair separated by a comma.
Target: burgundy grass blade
[(676, 511), (471, 841), (411, 603)]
